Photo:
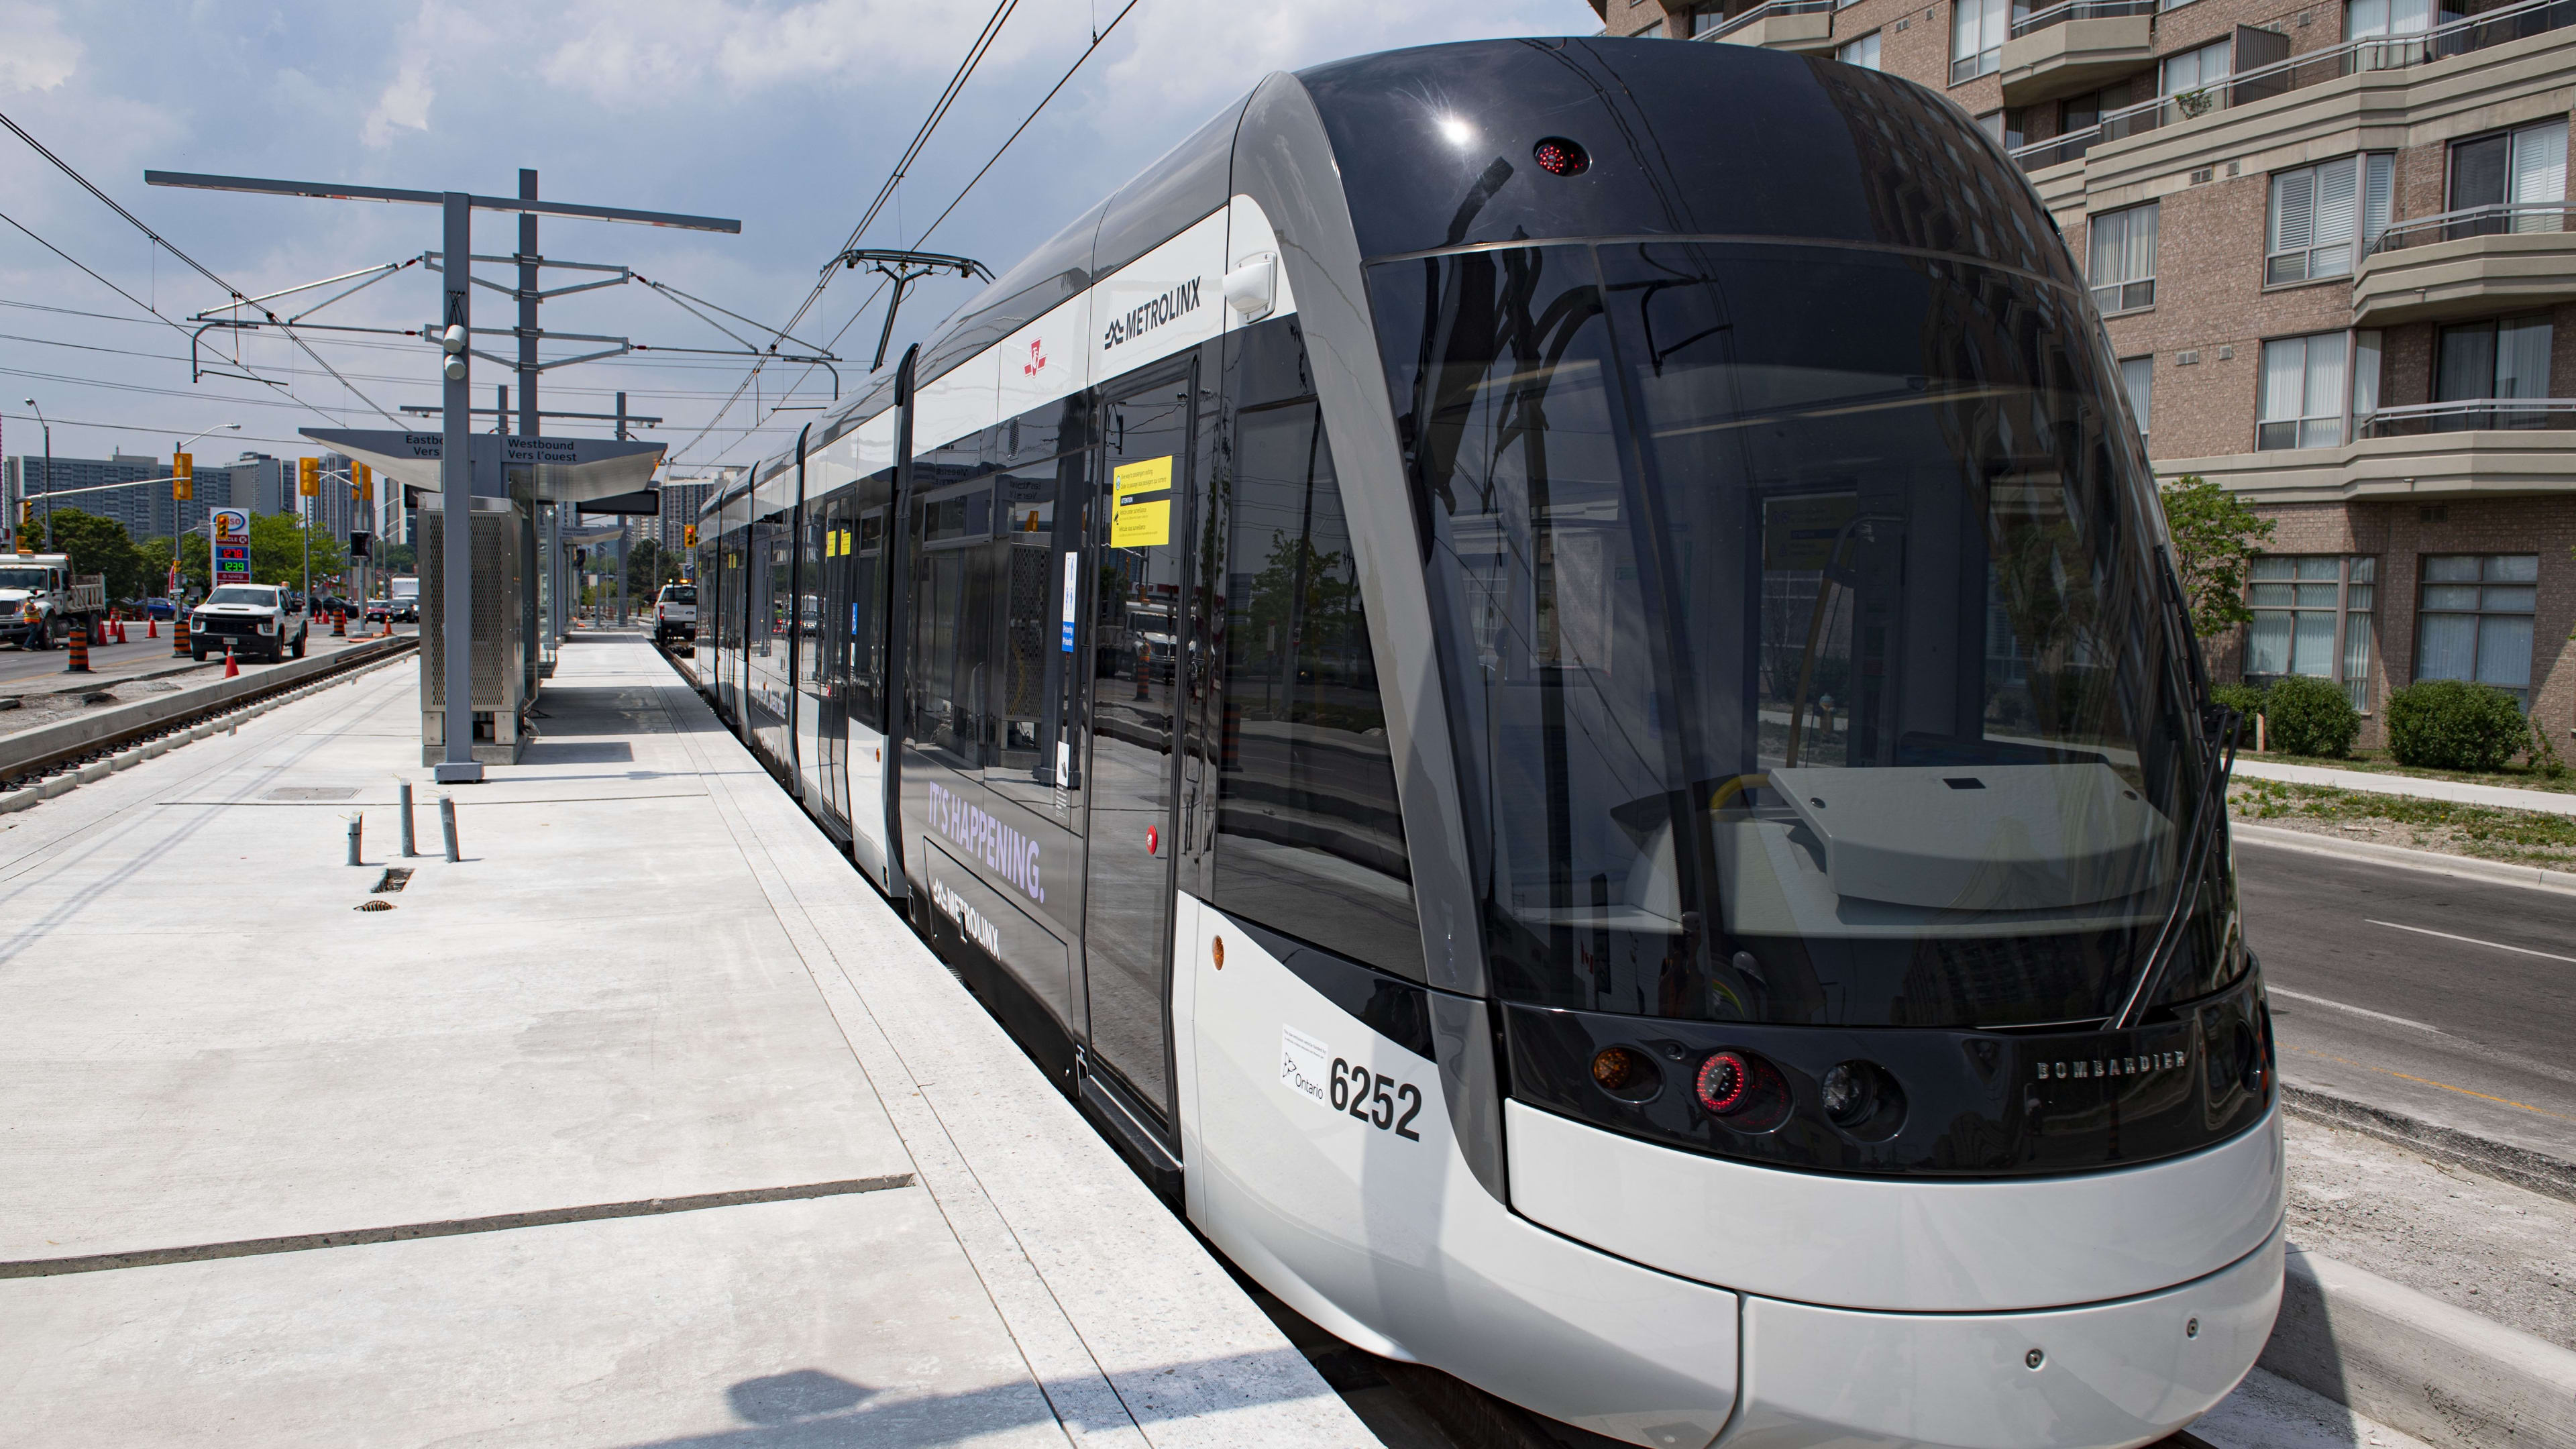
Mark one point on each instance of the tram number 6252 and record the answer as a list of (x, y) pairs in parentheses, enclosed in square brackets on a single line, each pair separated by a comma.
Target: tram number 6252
[(1364, 1094)]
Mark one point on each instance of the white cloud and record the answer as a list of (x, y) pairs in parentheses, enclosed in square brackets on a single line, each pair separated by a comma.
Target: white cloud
[(37, 56), (645, 52), (404, 104)]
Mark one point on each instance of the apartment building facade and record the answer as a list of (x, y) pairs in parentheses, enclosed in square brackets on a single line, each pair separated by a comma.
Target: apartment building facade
[(2331, 242)]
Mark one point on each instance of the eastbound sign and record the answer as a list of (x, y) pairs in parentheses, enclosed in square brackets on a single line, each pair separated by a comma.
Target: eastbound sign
[(232, 545)]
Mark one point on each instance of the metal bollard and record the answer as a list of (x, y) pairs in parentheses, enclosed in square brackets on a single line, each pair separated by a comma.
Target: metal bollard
[(409, 847), (356, 824), (447, 823)]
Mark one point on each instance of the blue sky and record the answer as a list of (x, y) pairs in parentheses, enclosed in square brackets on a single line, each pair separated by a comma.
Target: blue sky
[(788, 116)]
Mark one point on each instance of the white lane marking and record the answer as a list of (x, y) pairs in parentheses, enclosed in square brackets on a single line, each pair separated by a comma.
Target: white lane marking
[(2355, 1010), (2474, 941)]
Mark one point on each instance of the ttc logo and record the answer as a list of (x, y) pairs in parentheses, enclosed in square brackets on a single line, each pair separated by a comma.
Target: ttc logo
[(1037, 358)]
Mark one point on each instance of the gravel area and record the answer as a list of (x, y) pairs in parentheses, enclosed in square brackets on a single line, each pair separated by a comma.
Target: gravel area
[(2522, 836), (2486, 1246)]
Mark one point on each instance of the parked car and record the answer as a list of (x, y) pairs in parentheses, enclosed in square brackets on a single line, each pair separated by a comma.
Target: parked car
[(161, 608), (253, 619)]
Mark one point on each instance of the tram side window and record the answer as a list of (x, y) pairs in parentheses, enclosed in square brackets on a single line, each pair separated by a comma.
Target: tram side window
[(1310, 839), (866, 641)]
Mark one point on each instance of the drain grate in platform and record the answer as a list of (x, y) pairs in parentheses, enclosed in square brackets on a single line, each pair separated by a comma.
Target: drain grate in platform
[(394, 879), (312, 792)]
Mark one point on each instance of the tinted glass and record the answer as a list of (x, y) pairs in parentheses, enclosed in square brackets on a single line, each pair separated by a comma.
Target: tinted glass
[(1310, 839), (1806, 658), (1435, 150), (681, 594)]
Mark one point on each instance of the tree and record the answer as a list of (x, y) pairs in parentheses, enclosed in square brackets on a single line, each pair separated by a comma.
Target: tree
[(100, 546), (2215, 537), (395, 558), (277, 551)]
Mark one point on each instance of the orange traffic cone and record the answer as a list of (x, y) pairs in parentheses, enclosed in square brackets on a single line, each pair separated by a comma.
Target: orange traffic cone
[(232, 666), (120, 628), (151, 627)]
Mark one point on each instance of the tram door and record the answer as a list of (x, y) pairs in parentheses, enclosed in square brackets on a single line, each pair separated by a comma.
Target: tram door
[(1137, 531), (822, 678)]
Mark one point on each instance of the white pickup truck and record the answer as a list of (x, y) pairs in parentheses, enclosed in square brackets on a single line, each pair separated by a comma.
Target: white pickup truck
[(675, 614), (251, 620), (41, 599)]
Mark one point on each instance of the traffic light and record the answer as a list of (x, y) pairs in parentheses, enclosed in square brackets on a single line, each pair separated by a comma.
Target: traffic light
[(308, 477), (359, 477), (688, 535), (358, 543), (183, 478)]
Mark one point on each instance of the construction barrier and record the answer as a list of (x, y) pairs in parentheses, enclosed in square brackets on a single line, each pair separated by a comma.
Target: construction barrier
[(179, 636), (79, 662)]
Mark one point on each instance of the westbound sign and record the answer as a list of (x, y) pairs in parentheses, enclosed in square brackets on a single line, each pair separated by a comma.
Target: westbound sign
[(551, 470)]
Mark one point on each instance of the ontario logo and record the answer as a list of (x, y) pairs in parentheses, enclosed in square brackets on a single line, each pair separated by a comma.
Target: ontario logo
[(2123, 1066), (1037, 358)]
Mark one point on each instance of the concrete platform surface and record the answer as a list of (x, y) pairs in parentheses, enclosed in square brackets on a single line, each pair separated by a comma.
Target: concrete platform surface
[(645, 1123)]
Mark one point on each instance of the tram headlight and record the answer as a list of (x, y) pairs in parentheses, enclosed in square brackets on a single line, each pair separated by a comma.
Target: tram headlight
[(1862, 1099)]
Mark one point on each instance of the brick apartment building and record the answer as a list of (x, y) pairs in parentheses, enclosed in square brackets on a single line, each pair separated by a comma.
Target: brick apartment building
[(2330, 243)]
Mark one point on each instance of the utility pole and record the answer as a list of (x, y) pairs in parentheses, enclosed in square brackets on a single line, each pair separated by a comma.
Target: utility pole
[(456, 338), (621, 525), (49, 474)]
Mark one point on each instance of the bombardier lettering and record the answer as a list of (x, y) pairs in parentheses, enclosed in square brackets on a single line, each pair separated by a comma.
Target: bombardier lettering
[(2122, 1066), (1006, 852), (1137, 321)]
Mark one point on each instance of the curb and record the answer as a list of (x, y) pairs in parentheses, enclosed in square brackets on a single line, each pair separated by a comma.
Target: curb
[(2520, 1166), (2530, 877), (2417, 1364)]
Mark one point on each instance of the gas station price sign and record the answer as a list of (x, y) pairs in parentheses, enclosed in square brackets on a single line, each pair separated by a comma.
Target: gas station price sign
[(232, 544)]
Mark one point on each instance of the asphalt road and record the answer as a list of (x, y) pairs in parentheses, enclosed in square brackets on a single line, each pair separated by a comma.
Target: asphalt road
[(38, 671), (2451, 1000)]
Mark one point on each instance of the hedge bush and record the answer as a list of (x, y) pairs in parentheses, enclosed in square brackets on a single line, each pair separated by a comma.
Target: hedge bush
[(2245, 699), (2450, 724), (2304, 716)]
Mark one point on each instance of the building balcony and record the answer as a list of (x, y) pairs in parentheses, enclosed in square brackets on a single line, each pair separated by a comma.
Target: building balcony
[(1799, 25), (2301, 98), (2477, 262), (2480, 448), (2076, 46)]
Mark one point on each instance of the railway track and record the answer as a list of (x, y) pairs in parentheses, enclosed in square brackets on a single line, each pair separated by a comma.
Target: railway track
[(50, 759)]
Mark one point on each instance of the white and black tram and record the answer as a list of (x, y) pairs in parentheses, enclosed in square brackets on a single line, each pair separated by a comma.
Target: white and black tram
[(1546, 674)]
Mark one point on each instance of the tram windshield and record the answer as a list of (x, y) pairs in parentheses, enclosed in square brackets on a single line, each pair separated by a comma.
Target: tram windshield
[(1804, 640)]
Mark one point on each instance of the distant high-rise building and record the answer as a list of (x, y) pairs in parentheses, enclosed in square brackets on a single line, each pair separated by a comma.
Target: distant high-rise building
[(680, 505), (144, 509)]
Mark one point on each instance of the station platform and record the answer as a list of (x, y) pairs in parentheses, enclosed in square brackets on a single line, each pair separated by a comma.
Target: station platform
[(644, 1123)]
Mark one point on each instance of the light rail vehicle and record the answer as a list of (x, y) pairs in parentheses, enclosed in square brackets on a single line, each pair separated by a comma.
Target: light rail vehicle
[(1547, 676)]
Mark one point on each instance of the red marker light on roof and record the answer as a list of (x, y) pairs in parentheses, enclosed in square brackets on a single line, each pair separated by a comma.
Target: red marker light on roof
[(1153, 841), (1558, 156), (1722, 1082)]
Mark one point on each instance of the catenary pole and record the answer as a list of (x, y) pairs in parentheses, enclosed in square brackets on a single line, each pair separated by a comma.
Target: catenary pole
[(456, 490)]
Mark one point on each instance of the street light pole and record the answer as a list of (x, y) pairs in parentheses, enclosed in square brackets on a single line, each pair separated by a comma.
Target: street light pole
[(49, 474), (179, 529)]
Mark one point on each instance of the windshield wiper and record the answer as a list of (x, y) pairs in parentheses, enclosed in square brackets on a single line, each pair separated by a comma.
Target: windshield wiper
[(2218, 760)]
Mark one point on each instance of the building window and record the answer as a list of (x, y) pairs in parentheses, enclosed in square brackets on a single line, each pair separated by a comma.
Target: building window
[(2519, 168), (2138, 379), (1654, 31), (2312, 617), (2303, 392), (1862, 52), (1977, 30), (2123, 248), (2324, 217), (1706, 18), (2476, 620), (2503, 359), (2192, 71), (2364, 19)]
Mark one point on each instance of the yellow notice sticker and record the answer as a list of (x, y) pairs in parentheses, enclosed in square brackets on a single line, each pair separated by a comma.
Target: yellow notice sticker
[(1140, 515)]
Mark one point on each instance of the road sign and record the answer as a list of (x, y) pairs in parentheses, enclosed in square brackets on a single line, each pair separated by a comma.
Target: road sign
[(232, 545)]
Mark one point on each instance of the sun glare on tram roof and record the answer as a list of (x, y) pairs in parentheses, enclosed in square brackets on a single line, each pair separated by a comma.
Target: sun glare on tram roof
[(1455, 131)]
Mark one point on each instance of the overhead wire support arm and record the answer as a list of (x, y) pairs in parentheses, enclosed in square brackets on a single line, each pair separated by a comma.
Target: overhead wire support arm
[(903, 268)]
